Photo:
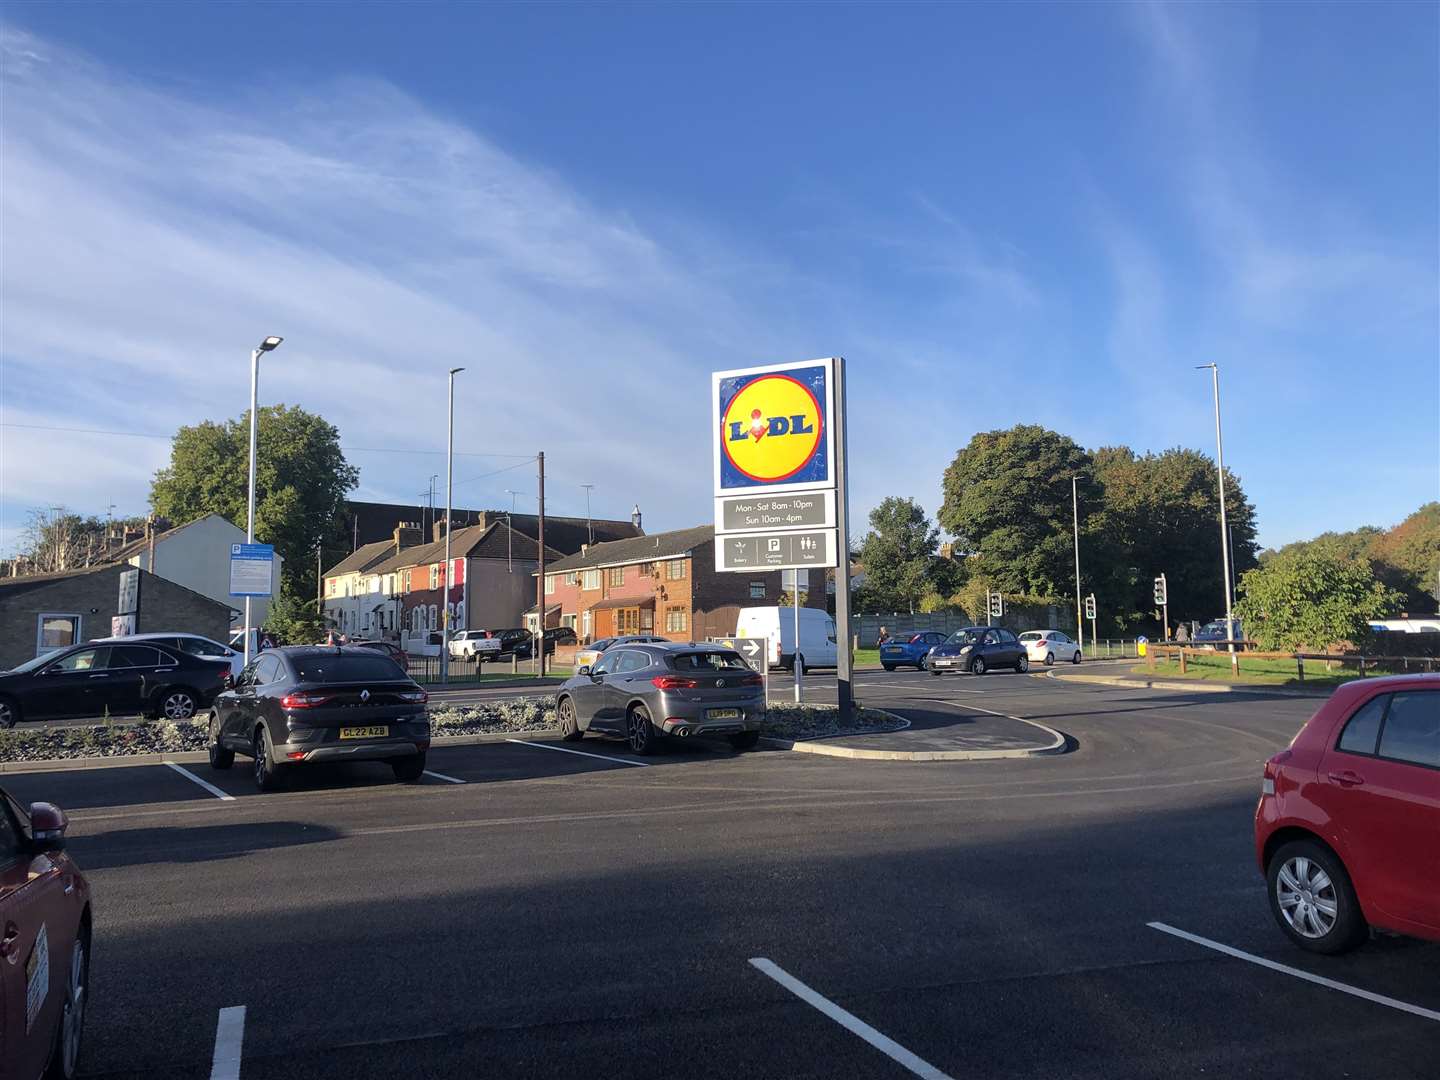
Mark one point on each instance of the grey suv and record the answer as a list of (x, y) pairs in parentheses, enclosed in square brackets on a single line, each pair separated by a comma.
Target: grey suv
[(645, 692)]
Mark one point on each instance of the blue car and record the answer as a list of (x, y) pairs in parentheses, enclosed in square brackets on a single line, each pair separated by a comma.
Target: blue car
[(909, 649)]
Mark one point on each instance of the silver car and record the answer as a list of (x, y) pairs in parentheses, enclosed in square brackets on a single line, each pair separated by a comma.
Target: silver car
[(644, 692)]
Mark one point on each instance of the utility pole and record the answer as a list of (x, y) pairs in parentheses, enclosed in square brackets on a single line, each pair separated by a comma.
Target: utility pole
[(1224, 526), (845, 695), (540, 580), (1075, 507), (449, 486), (589, 527)]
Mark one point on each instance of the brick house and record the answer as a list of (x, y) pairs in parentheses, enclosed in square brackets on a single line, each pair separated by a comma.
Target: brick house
[(664, 584), (42, 612)]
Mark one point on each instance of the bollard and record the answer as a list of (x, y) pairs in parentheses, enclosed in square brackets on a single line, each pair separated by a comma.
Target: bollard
[(1299, 667)]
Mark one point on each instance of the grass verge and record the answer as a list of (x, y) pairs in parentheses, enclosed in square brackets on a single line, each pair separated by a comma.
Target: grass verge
[(1282, 673)]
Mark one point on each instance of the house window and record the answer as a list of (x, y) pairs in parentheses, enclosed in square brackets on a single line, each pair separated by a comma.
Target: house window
[(617, 576), (627, 621), (434, 577), (646, 569), (549, 584), (757, 590), (407, 581), (676, 620), (675, 570), (55, 632), (434, 617), (592, 579), (571, 578), (568, 620)]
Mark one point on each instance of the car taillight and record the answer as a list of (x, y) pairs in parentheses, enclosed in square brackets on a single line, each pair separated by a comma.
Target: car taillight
[(303, 700), (1270, 775), (753, 679), (673, 682), (417, 696)]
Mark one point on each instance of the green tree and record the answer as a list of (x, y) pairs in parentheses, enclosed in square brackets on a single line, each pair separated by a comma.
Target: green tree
[(301, 481), (900, 556), (295, 620), (1007, 500), (1160, 513), (1408, 558), (1312, 600)]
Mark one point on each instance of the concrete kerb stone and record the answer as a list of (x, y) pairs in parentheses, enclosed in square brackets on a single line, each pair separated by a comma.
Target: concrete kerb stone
[(198, 757), (1165, 684), (817, 745)]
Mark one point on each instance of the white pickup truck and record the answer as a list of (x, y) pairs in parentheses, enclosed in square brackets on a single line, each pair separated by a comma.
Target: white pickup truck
[(473, 644)]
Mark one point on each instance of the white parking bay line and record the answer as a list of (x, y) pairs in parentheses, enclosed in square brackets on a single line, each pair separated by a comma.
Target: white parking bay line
[(582, 753), (442, 776), (1319, 980), (887, 1046), (229, 1035), (205, 784)]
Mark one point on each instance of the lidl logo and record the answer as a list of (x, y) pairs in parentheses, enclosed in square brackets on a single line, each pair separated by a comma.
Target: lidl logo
[(772, 428)]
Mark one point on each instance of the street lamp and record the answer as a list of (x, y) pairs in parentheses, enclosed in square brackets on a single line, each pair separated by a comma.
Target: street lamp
[(268, 345), (1075, 508), (1224, 527), (589, 527), (449, 485)]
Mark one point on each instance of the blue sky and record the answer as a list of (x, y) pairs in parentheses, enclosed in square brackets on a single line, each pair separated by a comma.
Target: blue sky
[(999, 214)]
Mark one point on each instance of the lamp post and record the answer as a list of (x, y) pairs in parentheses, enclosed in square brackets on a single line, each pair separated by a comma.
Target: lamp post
[(589, 527), (268, 345), (1224, 527), (1075, 507), (449, 484)]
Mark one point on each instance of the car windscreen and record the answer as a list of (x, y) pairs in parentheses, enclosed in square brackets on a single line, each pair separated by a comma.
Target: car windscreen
[(963, 637), (708, 661), (322, 668), (31, 665)]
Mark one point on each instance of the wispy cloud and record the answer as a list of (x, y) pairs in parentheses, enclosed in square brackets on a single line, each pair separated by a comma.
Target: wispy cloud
[(150, 240)]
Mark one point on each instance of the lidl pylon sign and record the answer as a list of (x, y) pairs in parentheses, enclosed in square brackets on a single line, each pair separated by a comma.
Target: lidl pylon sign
[(772, 428)]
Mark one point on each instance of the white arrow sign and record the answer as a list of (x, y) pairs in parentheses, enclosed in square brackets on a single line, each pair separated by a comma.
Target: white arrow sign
[(751, 648)]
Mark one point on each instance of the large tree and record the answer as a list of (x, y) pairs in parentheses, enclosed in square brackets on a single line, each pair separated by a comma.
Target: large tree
[(1160, 513), (1408, 558), (301, 481), (1007, 500), (900, 558), (1312, 600)]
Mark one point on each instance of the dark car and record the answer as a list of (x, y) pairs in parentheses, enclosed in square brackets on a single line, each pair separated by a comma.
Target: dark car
[(96, 680), (296, 705), (1216, 632), (978, 649), (909, 649), (45, 951), (642, 692), (555, 635)]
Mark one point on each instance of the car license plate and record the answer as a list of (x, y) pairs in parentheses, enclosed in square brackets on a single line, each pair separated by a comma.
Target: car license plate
[(364, 732), (722, 714)]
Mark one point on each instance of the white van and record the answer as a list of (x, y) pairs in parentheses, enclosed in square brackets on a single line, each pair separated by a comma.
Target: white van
[(817, 635)]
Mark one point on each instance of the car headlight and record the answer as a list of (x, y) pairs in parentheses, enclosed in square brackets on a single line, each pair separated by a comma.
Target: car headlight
[(965, 648)]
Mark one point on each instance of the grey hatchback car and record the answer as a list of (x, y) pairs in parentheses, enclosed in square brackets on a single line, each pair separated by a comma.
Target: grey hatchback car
[(644, 693)]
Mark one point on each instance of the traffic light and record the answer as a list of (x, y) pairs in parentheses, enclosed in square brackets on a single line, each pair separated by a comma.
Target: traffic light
[(997, 605), (1090, 606), (1161, 596)]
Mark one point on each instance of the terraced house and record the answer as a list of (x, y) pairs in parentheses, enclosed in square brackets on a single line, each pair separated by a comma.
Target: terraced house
[(663, 584)]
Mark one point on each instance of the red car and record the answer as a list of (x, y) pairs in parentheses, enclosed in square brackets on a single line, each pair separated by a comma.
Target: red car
[(44, 945), (1348, 827)]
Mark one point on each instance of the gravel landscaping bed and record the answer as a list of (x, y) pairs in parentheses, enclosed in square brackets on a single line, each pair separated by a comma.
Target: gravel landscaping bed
[(818, 721), (513, 715)]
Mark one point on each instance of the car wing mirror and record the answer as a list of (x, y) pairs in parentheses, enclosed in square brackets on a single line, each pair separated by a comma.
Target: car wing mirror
[(47, 826), (227, 680), (583, 669)]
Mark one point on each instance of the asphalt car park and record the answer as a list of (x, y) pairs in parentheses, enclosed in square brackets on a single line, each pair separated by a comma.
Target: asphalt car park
[(538, 908)]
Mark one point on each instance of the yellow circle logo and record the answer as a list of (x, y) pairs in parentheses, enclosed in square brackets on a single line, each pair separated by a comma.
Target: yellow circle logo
[(771, 428)]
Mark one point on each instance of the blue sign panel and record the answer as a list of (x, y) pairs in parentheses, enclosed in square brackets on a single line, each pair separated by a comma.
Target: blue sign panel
[(251, 569)]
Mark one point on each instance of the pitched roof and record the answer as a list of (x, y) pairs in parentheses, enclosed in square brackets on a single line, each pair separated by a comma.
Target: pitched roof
[(474, 542), (14, 586), (667, 545), (362, 558), (137, 547)]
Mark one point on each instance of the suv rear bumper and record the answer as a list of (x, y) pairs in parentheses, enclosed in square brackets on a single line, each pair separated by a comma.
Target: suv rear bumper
[(373, 750)]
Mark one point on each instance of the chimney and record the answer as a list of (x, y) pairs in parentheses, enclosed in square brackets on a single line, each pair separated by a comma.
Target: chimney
[(635, 516), (407, 534), (438, 530), (586, 547)]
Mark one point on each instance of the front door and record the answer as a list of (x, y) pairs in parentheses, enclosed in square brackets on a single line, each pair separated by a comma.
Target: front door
[(624, 684), (589, 695), (70, 686), (32, 940)]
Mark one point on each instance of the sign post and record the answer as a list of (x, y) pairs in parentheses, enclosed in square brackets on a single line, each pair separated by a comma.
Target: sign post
[(780, 488), (755, 651), (127, 607)]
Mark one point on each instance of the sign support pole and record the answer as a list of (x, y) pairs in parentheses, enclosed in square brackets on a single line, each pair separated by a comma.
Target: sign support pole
[(843, 673)]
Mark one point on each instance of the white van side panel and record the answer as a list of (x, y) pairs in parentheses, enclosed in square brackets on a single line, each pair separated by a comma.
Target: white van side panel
[(817, 631)]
